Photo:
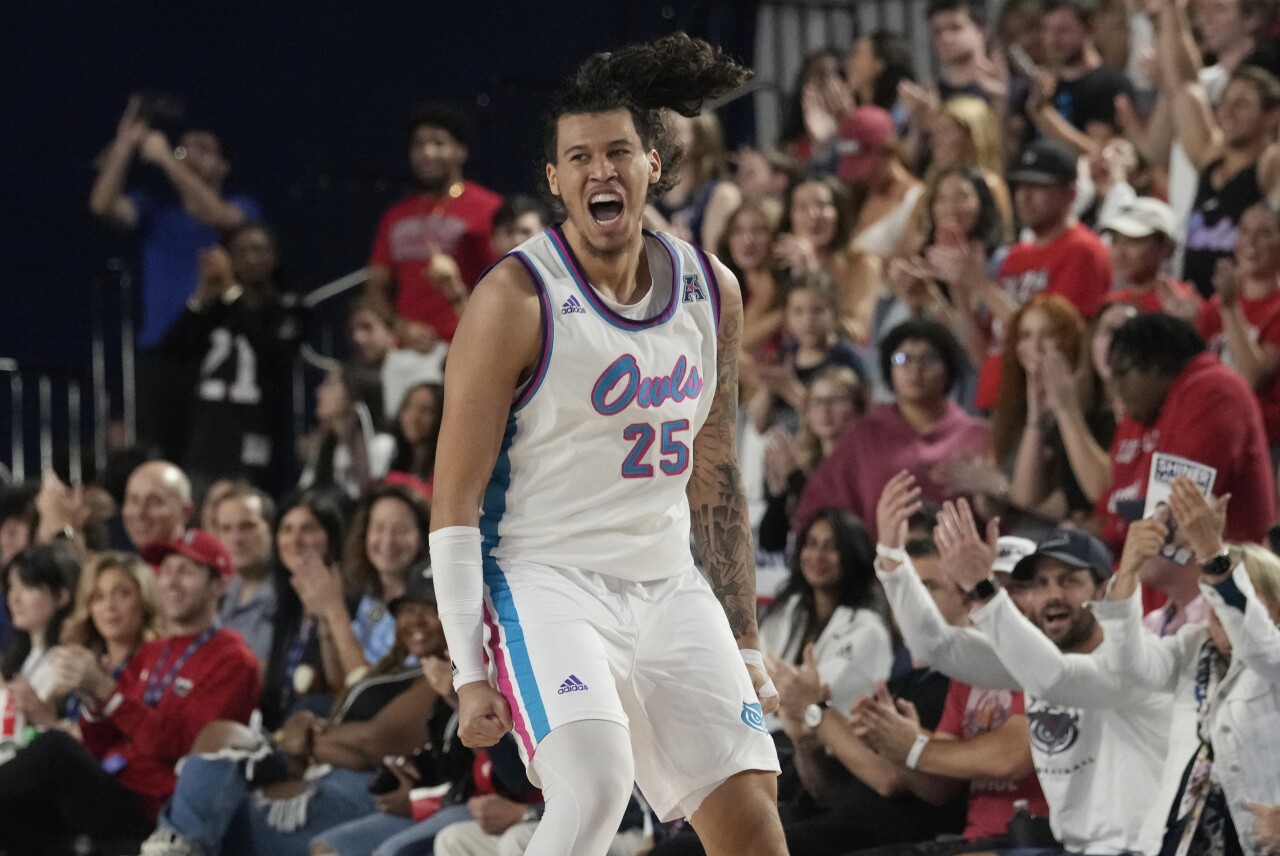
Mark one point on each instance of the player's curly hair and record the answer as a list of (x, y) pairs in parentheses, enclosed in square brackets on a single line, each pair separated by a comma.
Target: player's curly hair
[(676, 72)]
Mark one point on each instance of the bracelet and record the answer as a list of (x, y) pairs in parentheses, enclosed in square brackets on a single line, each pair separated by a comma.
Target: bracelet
[(892, 554), (917, 749)]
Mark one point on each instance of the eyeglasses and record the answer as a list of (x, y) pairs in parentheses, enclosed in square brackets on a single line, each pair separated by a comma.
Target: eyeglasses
[(924, 361)]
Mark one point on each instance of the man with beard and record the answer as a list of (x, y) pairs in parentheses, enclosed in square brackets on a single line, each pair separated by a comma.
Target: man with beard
[(1074, 100), (432, 247), (1098, 744)]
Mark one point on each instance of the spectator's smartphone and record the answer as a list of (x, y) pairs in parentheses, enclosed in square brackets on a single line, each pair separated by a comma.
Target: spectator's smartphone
[(1021, 60)]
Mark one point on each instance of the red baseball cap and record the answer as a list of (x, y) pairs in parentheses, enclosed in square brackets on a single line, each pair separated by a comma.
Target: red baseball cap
[(195, 544), (862, 137)]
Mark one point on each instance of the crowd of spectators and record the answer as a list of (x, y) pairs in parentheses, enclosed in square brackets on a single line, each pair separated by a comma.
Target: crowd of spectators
[(980, 304)]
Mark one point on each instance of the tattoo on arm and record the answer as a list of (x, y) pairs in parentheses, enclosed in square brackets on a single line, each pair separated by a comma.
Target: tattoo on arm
[(717, 500)]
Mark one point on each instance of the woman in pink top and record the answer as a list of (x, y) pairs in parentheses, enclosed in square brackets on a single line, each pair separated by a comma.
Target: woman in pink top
[(921, 429)]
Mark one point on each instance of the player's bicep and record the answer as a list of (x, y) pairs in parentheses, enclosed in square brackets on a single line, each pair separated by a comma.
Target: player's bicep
[(497, 342)]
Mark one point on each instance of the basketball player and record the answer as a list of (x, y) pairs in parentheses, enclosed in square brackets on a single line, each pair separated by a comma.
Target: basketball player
[(590, 414)]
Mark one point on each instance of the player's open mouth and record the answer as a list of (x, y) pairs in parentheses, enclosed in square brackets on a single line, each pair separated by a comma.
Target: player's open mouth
[(605, 207)]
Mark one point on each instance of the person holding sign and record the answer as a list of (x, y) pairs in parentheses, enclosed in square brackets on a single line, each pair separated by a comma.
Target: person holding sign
[(1225, 678), (1180, 400)]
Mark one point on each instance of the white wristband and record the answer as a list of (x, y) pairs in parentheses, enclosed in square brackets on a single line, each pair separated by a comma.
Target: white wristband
[(917, 749), (893, 554), (752, 657), (458, 573)]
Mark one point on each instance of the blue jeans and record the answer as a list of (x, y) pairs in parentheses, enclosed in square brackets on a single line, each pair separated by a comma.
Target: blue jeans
[(214, 808), (390, 835)]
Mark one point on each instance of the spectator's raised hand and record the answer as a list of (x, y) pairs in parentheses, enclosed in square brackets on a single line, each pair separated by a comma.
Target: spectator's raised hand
[(961, 264), (921, 103), (443, 273), (887, 727), (38, 713), (800, 686), (1185, 306), (1058, 381), (216, 275), (819, 121), (319, 585), (796, 254), (77, 668), (779, 459), (155, 147), (992, 75), (58, 507), (1226, 282), (1044, 84), (1143, 542), (132, 127), (1201, 523), (898, 501), (965, 554)]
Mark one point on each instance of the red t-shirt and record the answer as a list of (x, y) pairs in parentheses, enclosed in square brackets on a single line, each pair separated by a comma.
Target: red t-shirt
[(461, 227), (1149, 300), (1262, 317), (139, 744), (1075, 265), (967, 713), (1209, 416)]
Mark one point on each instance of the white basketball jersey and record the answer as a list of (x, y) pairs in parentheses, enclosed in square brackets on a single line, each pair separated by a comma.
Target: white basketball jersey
[(599, 444)]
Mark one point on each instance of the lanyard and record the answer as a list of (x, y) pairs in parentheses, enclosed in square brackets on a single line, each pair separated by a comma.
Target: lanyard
[(297, 648), (163, 674)]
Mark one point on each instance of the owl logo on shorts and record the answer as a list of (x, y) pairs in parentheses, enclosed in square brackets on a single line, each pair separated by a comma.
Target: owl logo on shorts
[(753, 716)]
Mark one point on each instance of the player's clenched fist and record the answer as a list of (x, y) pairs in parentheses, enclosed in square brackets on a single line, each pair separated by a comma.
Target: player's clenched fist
[(483, 715)]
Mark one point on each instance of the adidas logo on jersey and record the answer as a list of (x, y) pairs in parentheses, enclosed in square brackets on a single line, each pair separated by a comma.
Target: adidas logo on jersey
[(569, 306), (571, 684)]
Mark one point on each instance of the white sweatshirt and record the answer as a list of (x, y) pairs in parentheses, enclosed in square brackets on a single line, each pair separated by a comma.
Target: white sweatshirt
[(1098, 742)]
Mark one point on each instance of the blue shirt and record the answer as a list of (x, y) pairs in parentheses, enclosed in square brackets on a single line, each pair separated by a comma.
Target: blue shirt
[(374, 627), (171, 243)]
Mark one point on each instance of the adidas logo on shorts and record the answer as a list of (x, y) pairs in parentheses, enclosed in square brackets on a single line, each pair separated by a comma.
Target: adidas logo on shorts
[(571, 685)]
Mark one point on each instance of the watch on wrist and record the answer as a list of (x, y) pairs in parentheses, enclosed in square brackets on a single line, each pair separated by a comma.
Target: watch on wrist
[(1217, 565), (984, 590), (813, 714)]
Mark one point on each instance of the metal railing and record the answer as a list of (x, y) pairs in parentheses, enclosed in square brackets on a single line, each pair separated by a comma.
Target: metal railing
[(54, 394)]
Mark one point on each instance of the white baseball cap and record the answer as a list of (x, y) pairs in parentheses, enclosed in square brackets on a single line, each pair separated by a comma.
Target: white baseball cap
[(1012, 550), (1142, 218)]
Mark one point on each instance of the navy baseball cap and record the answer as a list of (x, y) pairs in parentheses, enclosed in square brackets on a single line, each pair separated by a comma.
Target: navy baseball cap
[(420, 588), (1045, 161), (1074, 547)]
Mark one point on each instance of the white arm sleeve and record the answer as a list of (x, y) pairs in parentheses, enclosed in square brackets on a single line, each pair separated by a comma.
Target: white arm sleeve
[(459, 580)]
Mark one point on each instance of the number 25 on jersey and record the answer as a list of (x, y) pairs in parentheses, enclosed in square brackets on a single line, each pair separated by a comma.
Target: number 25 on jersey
[(673, 451)]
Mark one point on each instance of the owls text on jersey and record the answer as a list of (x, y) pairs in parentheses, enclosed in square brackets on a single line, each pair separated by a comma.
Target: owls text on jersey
[(596, 453)]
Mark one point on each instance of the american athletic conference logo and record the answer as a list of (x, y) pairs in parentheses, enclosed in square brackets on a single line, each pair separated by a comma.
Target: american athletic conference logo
[(1053, 730), (753, 716)]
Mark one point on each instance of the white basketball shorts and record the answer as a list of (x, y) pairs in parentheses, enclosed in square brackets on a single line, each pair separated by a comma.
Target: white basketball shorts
[(659, 658)]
